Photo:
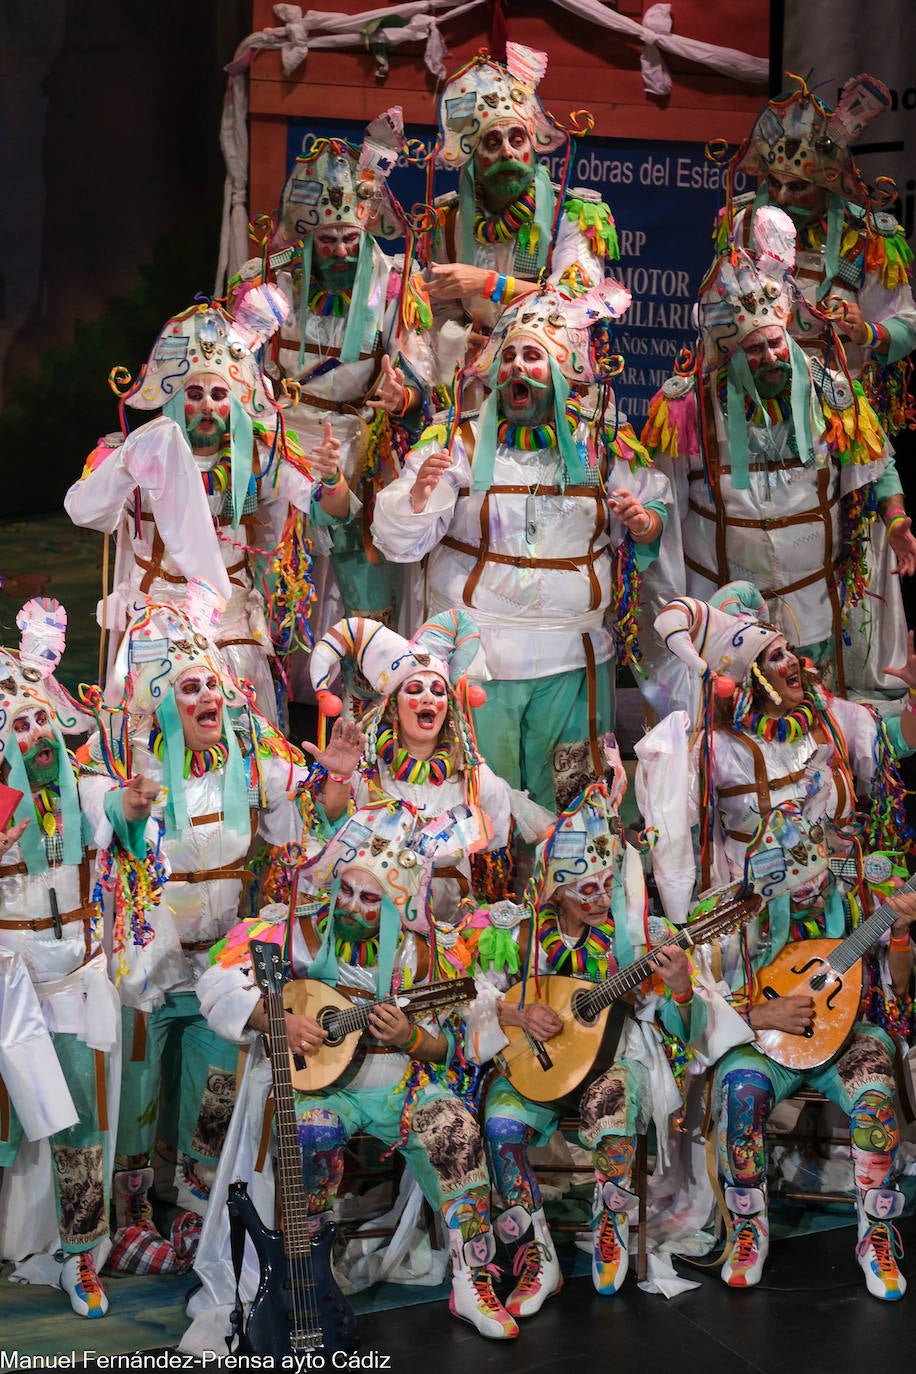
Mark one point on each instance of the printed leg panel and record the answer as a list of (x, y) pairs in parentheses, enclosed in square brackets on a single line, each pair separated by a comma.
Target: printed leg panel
[(208, 1086), (444, 1147), (558, 713), (616, 1104)]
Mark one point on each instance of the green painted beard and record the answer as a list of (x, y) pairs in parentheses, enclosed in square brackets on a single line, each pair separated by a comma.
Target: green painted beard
[(215, 436), (331, 275), (505, 181), (348, 926), (774, 388), (40, 775)]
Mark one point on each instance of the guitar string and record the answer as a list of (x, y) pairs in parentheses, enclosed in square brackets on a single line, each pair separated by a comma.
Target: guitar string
[(306, 1321)]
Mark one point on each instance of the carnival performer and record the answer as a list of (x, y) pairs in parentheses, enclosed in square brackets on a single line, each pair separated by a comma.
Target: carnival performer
[(507, 224), (777, 464), (540, 516), (197, 493), (782, 765), (853, 266), (584, 917), (59, 1086), (351, 343), (416, 743), (212, 774), (400, 1094)]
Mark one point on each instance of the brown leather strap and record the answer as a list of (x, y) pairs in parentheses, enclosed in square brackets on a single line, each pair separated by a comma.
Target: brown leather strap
[(101, 1093), (764, 801), (213, 875), (153, 568), (82, 913), (310, 935), (138, 1045), (591, 690), (780, 522), (9, 870), (775, 784), (309, 398), (197, 946), (384, 1049), (766, 592), (229, 643), (5, 1112), (484, 555), (450, 871), (698, 475), (326, 352), (521, 490), (266, 1124), (422, 957)]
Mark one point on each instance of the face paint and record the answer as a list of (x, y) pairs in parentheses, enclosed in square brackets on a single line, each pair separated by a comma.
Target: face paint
[(523, 383), (782, 670), (38, 745), (200, 706), (206, 412), (803, 201), (590, 898), (422, 707), (767, 353), (359, 905), (504, 164), (334, 257)]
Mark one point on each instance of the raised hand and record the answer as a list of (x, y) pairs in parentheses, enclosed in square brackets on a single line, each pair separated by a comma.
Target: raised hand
[(344, 748), (428, 477), (903, 542), (391, 392), (9, 837), (907, 673), (630, 512), (137, 798), (324, 460)]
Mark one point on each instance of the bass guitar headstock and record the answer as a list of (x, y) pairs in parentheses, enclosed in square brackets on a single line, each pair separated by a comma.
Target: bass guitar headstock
[(271, 968)]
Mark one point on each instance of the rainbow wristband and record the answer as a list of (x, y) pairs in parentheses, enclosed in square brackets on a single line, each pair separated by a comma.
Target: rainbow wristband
[(873, 334), (496, 294), (416, 1035), (894, 521)]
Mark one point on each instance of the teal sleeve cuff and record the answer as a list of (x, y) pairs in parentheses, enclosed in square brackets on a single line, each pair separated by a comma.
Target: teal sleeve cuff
[(131, 835), (902, 342), (320, 517), (327, 829), (888, 484), (646, 554), (669, 1014), (895, 735)]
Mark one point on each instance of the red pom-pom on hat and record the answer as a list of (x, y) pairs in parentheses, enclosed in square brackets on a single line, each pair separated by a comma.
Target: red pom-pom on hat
[(329, 704), (724, 686)]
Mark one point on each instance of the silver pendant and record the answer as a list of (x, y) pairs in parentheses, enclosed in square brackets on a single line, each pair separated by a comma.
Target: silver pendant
[(531, 519)]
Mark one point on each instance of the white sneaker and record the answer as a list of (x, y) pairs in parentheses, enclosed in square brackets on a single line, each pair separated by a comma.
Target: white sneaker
[(80, 1281), (750, 1237), (535, 1265), (611, 1249), (879, 1245), (474, 1300)]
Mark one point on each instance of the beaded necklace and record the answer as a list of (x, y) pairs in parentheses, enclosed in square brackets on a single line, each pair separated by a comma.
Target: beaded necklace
[(504, 226), (408, 769), (197, 762), (593, 958), (533, 437), (793, 726), (356, 953), (323, 302), (47, 804)]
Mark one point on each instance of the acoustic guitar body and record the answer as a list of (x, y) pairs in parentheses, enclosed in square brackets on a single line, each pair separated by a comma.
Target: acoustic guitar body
[(308, 997), (582, 1049), (805, 968)]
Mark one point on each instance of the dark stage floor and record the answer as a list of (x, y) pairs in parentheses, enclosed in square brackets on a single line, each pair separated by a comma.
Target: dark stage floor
[(811, 1315)]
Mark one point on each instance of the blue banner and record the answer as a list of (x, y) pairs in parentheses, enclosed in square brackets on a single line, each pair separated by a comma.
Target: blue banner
[(664, 197)]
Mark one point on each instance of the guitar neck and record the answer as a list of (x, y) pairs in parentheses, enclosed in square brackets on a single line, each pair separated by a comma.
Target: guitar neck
[(426, 998), (864, 936), (289, 1155), (626, 979)]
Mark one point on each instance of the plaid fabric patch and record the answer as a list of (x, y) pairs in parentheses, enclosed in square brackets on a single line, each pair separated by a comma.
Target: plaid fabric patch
[(141, 1250)]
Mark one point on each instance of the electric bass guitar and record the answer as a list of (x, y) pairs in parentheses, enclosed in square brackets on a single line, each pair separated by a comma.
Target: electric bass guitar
[(298, 1308), (593, 1014), (831, 972), (345, 1016)]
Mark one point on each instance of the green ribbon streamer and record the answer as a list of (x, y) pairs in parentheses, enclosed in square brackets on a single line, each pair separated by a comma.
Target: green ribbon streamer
[(241, 436), (358, 315), (304, 284), (70, 816)]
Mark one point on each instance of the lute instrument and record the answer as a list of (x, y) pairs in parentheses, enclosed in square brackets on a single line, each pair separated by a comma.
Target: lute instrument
[(558, 1068), (831, 972), (344, 1015)]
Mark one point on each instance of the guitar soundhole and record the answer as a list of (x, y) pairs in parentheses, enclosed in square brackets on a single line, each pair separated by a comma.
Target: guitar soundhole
[(582, 1011), (327, 1019)]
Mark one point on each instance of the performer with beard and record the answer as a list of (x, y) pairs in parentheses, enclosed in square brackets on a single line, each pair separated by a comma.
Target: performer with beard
[(195, 494), (782, 767), (541, 516), (504, 228), (777, 464), (855, 313), (375, 871), (214, 775), (50, 919)]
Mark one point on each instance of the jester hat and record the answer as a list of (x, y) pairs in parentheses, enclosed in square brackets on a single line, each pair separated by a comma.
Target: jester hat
[(333, 183), (160, 644), (716, 643), (799, 135), (583, 843), (572, 331), (27, 682), (486, 93)]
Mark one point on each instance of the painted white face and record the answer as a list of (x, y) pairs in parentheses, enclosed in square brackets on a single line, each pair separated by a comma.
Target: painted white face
[(33, 731), (361, 896), (206, 411), (422, 706), (200, 706), (524, 383), (767, 353), (802, 200), (504, 162), (590, 897), (335, 253), (782, 670)]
